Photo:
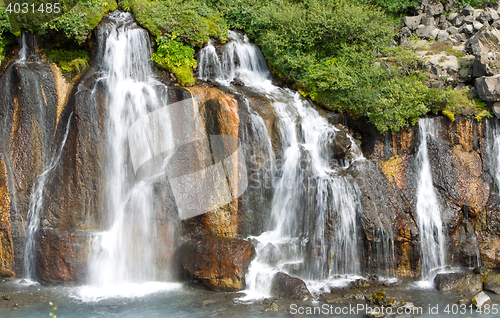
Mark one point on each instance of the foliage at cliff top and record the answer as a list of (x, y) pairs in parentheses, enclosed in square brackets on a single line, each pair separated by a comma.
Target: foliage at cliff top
[(177, 58), (81, 19), (4, 26), (178, 25), (68, 60), (330, 51)]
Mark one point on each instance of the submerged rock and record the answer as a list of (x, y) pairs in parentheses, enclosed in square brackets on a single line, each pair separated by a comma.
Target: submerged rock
[(219, 263), (458, 282), (284, 285)]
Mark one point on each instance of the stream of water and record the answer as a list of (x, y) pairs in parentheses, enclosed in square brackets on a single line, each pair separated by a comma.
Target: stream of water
[(428, 208)]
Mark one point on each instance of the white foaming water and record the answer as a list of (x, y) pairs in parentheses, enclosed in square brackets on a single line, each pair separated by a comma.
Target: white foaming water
[(122, 260), (493, 142), (428, 208), (125, 290), (309, 192), (21, 57), (239, 59), (36, 206)]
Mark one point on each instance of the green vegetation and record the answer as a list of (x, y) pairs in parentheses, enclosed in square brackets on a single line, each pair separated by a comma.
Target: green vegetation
[(77, 23), (472, 3), (330, 51), (398, 6), (179, 26), (4, 27), (69, 60), (337, 52), (54, 308), (177, 58)]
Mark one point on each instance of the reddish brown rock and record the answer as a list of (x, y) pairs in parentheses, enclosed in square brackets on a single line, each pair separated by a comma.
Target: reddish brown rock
[(6, 246), (219, 263), (59, 257), (220, 116)]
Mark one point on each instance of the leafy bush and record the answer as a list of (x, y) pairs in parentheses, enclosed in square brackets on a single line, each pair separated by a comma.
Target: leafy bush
[(69, 60), (191, 21), (398, 6), (178, 25), (77, 23), (177, 58), (472, 3), (329, 50)]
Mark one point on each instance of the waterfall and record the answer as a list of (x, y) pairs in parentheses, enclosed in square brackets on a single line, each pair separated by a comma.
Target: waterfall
[(313, 223), (36, 206), (41, 106), (125, 252), (493, 148), (428, 208)]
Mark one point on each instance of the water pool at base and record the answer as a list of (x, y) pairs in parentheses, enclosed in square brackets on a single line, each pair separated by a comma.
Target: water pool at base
[(186, 300)]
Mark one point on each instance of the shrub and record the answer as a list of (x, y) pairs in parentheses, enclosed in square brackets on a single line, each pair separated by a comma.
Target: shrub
[(69, 60), (398, 6), (77, 23), (191, 21), (177, 58)]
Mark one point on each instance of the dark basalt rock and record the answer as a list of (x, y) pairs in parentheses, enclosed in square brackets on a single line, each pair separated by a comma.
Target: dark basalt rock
[(284, 285)]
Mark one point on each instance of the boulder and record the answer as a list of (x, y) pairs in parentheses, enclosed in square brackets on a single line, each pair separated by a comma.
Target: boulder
[(219, 263), (488, 88), (468, 10), (458, 282), (458, 21), (425, 32), (480, 300), (452, 16), (489, 247), (496, 109), (412, 22), (434, 8), (466, 28), (484, 42), (477, 25), (493, 14), (492, 282), (442, 36), (485, 45), (468, 19), (428, 21), (284, 285)]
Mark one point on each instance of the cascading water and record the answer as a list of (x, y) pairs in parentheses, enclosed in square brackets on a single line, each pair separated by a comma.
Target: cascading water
[(314, 208), (125, 252), (49, 159), (493, 142), (428, 208)]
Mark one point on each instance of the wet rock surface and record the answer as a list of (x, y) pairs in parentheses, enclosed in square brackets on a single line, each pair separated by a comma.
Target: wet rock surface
[(219, 263), (284, 285), (458, 282)]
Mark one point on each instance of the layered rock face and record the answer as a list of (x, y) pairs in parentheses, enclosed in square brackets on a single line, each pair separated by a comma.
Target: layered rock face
[(463, 180), (39, 135)]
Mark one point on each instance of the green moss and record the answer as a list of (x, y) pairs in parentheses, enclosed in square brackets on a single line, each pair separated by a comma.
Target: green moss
[(449, 115), (69, 60), (177, 58)]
